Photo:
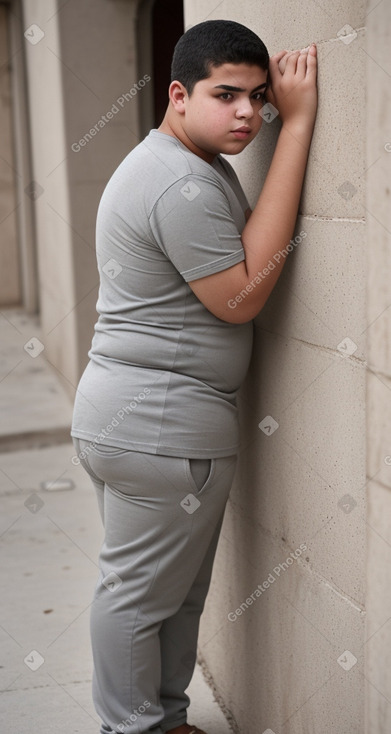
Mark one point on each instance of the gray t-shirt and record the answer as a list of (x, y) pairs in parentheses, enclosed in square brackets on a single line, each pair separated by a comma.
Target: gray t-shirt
[(164, 371)]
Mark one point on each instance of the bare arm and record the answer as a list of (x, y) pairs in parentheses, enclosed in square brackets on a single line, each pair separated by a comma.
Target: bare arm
[(270, 226)]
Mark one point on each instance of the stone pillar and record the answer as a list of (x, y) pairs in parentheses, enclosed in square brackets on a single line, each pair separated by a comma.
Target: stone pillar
[(81, 67)]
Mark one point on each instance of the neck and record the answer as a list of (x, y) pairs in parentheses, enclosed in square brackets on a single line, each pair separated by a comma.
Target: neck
[(172, 126)]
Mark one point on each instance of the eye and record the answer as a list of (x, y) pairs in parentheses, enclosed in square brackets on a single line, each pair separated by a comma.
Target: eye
[(260, 96), (225, 96)]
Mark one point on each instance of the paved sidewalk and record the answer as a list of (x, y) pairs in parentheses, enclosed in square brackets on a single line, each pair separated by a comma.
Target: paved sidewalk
[(50, 542), (35, 408)]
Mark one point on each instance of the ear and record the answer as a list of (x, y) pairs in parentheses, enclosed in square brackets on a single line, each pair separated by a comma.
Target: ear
[(177, 94)]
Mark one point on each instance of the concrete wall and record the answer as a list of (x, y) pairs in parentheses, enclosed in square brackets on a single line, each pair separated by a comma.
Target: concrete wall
[(10, 286), (378, 630), (81, 60), (49, 187), (291, 659)]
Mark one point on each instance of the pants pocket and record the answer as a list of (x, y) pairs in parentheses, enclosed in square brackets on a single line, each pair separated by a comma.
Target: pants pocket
[(199, 473)]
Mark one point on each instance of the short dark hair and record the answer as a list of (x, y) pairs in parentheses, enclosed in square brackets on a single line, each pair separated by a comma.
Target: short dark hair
[(213, 43)]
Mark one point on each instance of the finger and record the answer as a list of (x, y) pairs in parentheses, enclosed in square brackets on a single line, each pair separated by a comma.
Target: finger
[(282, 62), (274, 60), (311, 60), (291, 62), (301, 66), (276, 57), (282, 65)]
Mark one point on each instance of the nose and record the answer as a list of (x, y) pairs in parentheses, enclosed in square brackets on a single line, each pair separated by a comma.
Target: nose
[(244, 108)]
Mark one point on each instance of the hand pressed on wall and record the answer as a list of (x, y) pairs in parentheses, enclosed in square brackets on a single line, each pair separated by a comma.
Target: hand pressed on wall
[(293, 88)]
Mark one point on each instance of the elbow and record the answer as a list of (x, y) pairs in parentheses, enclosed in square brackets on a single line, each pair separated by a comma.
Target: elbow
[(240, 313)]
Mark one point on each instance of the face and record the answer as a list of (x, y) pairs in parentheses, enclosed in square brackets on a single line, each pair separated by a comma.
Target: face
[(222, 113)]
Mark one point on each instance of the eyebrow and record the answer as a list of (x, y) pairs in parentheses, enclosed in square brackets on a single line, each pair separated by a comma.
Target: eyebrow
[(228, 88)]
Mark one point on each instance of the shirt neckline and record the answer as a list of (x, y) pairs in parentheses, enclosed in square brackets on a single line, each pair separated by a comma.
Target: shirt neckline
[(175, 140)]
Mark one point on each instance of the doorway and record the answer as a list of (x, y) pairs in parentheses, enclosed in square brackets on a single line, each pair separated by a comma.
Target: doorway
[(159, 26)]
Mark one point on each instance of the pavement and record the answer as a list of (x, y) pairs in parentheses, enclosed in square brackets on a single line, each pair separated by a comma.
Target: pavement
[(50, 536)]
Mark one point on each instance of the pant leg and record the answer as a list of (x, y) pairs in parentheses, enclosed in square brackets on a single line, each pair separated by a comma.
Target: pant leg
[(178, 642), (158, 529)]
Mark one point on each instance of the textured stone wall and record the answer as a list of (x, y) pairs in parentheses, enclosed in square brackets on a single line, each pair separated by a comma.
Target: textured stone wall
[(283, 630), (378, 212)]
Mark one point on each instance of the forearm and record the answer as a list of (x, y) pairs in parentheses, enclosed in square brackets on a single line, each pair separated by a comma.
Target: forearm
[(238, 293), (271, 224)]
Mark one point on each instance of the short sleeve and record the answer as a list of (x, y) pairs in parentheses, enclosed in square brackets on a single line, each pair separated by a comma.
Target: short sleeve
[(193, 224)]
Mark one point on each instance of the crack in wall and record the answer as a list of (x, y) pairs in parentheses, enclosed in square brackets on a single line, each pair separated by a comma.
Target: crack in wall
[(323, 348), (304, 564), (316, 217), (337, 39), (333, 352)]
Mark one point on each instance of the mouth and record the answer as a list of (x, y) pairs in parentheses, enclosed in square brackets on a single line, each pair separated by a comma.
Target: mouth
[(241, 132)]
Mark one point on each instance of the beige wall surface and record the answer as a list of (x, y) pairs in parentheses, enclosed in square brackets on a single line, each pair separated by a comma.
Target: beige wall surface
[(81, 66), (98, 50), (291, 659), (49, 186), (378, 631)]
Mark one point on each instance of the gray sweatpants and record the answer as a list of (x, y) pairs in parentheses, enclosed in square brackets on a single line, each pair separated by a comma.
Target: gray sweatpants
[(162, 517)]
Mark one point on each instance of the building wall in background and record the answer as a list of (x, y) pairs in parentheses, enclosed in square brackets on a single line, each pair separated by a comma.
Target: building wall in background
[(49, 186), (99, 74), (291, 659), (10, 285), (81, 66)]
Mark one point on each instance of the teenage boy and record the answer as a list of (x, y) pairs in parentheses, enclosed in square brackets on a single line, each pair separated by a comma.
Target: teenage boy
[(155, 420)]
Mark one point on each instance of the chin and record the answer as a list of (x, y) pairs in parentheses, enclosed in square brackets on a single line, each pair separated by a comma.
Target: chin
[(234, 148)]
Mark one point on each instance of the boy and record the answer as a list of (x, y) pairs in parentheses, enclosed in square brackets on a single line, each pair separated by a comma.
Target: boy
[(155, 421)]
